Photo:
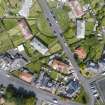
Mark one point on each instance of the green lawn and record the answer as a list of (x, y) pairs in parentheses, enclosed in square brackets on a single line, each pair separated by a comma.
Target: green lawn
[(5, 42), (62, 17), (35, 10), (82, 97), (54, 74), (43, 26), (54, 47), (34, 67)]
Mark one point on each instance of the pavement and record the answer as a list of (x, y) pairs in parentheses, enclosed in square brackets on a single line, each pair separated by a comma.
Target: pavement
[(59, 35), (39, 102)]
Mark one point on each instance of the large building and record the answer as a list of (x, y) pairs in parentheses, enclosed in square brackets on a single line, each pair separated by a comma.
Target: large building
[(70, 89), (76, 8), (37, 45), (60, 66), (10, 62), (25, 29), (80, 34)]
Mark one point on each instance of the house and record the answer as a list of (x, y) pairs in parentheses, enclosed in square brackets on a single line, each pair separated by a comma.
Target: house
[(25, 29), (26, 76), (80, 52), (37, 45), (60, 66), (80, 33), (76, 8), (45, 82)]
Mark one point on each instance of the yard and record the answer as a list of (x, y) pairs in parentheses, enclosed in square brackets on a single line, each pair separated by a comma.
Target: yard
[(10, 103)]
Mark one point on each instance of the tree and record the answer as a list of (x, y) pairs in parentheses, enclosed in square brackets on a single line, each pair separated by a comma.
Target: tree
[(30, 100), (10, 93)]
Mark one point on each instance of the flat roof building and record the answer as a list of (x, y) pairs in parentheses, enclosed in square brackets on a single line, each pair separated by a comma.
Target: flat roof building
[(26, 5), (37, 45), (76, 8), (80, 34), (72, 87), (20, 48), (25, 29)]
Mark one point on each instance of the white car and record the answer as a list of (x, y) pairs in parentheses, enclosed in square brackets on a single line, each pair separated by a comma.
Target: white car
[(103, 73), (55, 100), (7, 75)]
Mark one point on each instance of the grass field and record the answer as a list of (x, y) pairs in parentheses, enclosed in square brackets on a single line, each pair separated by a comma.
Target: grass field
[(9, 103)]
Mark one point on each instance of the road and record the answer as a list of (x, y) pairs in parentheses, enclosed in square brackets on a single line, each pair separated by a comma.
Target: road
[(40, 94), (58, 34), (39, 102)]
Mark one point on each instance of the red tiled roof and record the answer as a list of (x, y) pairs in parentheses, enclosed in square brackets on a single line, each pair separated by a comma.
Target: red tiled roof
[(26, 76), (60, 66), (80, 52)]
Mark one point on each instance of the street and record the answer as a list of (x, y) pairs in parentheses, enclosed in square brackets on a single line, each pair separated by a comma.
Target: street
[(58, 33)]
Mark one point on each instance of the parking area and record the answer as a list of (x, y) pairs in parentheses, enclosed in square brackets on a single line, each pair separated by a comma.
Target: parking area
[(100, 85)]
